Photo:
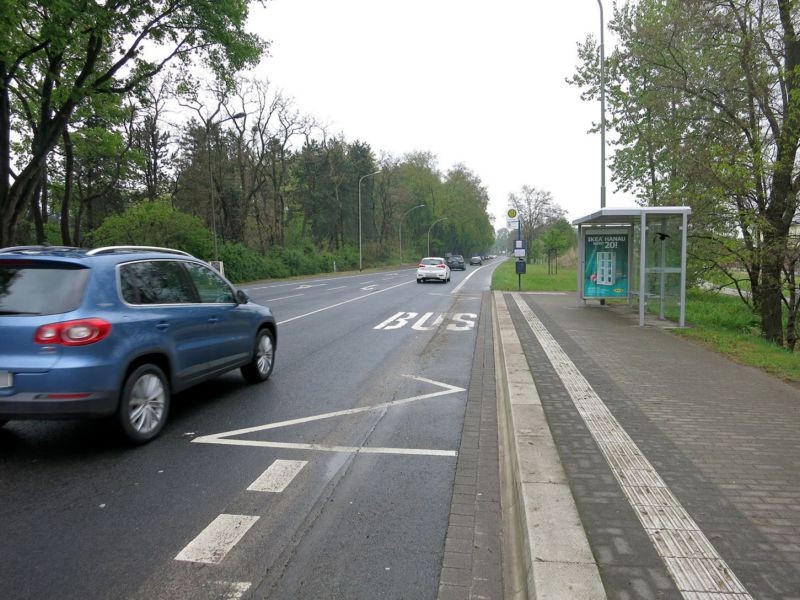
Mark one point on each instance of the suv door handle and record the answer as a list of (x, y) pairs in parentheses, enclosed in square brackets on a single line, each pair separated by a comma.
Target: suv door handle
[(213, 320), (162, 326)]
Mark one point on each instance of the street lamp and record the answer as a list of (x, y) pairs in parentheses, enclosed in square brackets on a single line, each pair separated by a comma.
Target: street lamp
[(360, 257), (401, 229), (211, 179), (602, 112), (429, 232)]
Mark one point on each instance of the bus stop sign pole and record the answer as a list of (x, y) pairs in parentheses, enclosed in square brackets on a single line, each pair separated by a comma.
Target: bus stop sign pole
[(519, 248)]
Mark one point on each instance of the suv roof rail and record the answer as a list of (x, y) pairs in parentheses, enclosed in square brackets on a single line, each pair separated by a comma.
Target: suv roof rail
[(110, 249), (37, 247)]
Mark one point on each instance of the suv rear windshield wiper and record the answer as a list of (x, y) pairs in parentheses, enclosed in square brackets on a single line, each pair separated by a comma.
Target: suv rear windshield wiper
[(18, 312)]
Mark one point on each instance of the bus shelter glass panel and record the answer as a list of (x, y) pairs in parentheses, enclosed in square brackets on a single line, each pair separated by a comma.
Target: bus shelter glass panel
[(663, 265)]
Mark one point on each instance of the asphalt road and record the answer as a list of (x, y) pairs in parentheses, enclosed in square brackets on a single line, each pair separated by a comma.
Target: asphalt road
[(331, 480)]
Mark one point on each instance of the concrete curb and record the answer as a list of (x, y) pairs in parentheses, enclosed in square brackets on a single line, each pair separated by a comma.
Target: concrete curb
[(547, 539)]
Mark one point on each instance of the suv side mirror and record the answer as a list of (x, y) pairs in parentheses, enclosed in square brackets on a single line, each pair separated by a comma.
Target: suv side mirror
[(241, 297)]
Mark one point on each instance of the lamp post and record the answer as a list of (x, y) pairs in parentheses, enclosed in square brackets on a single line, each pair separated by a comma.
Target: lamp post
[(360, 256), (429, 232), (211, 178), (602, 112), (401, 229)]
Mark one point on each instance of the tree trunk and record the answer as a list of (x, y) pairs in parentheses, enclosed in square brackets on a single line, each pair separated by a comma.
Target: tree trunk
[(69, 166), (36, 212), (770, 291), (792, 305)]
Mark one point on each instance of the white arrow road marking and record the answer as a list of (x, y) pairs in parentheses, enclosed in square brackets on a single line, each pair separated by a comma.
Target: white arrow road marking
[(216, 540), (225, 438), (305, 286), (279, 475), (282, 298), (369, 288)]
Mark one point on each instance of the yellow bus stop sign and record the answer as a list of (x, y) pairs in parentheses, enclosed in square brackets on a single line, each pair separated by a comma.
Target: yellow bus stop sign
[(512, 214)]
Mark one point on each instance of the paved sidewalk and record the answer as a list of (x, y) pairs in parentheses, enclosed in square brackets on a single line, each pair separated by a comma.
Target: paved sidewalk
[(684, 467)]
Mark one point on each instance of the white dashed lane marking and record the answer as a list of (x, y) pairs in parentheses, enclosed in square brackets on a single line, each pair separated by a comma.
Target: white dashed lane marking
[(232, 590), (279, 475), (695, 565), (216, 540)]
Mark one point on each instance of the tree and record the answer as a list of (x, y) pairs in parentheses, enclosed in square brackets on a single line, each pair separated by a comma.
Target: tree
[(152, 139), (705, 99), (536, 209), (465, 201), (57, 55), (557, 239)]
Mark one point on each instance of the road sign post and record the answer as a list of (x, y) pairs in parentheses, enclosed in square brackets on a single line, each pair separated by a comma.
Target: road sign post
[(519, 246)]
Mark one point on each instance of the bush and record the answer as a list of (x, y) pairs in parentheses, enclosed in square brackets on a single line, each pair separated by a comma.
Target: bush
[(154, 224), (242, 264)]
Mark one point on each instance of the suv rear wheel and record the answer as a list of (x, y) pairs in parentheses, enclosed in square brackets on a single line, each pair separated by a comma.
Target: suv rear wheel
[(144, 404), (260, 368)]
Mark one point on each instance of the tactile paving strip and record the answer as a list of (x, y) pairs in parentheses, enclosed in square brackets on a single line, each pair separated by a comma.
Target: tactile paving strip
[(699, 571)]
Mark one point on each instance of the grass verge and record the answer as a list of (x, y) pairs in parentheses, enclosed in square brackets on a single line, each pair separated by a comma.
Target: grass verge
[(536, 279)]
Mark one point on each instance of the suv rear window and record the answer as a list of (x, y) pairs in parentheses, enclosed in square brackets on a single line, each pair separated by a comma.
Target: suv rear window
[(33, 287)]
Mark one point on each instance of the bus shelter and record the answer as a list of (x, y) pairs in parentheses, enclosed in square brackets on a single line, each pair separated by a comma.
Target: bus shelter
[(636, 253)]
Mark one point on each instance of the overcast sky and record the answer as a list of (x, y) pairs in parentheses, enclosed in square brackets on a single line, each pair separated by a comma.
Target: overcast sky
[(474, 82)]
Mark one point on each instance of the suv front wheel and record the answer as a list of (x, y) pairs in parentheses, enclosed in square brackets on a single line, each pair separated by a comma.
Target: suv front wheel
[(144, 404), (260, 368)]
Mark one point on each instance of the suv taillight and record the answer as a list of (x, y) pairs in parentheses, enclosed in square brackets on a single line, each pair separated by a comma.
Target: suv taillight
[(73, 333)]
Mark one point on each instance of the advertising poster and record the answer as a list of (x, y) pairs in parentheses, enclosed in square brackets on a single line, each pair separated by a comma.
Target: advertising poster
[(605, 272)]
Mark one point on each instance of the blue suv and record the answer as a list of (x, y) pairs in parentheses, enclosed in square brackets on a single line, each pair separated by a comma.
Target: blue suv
[(117, 330)]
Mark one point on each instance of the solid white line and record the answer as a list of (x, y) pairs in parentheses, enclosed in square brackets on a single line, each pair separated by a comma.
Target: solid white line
[(216, 540), (319, 310), (279, 475), (463, 281), (323, 448), (663, 517)]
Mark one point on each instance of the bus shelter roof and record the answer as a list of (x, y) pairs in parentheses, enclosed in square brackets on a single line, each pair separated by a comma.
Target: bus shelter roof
[(618, 215)]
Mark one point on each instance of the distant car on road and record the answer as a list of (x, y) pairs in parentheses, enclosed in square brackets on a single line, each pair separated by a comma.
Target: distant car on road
[(456, 262), (118, 330), (433, 267), (476, 260)]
